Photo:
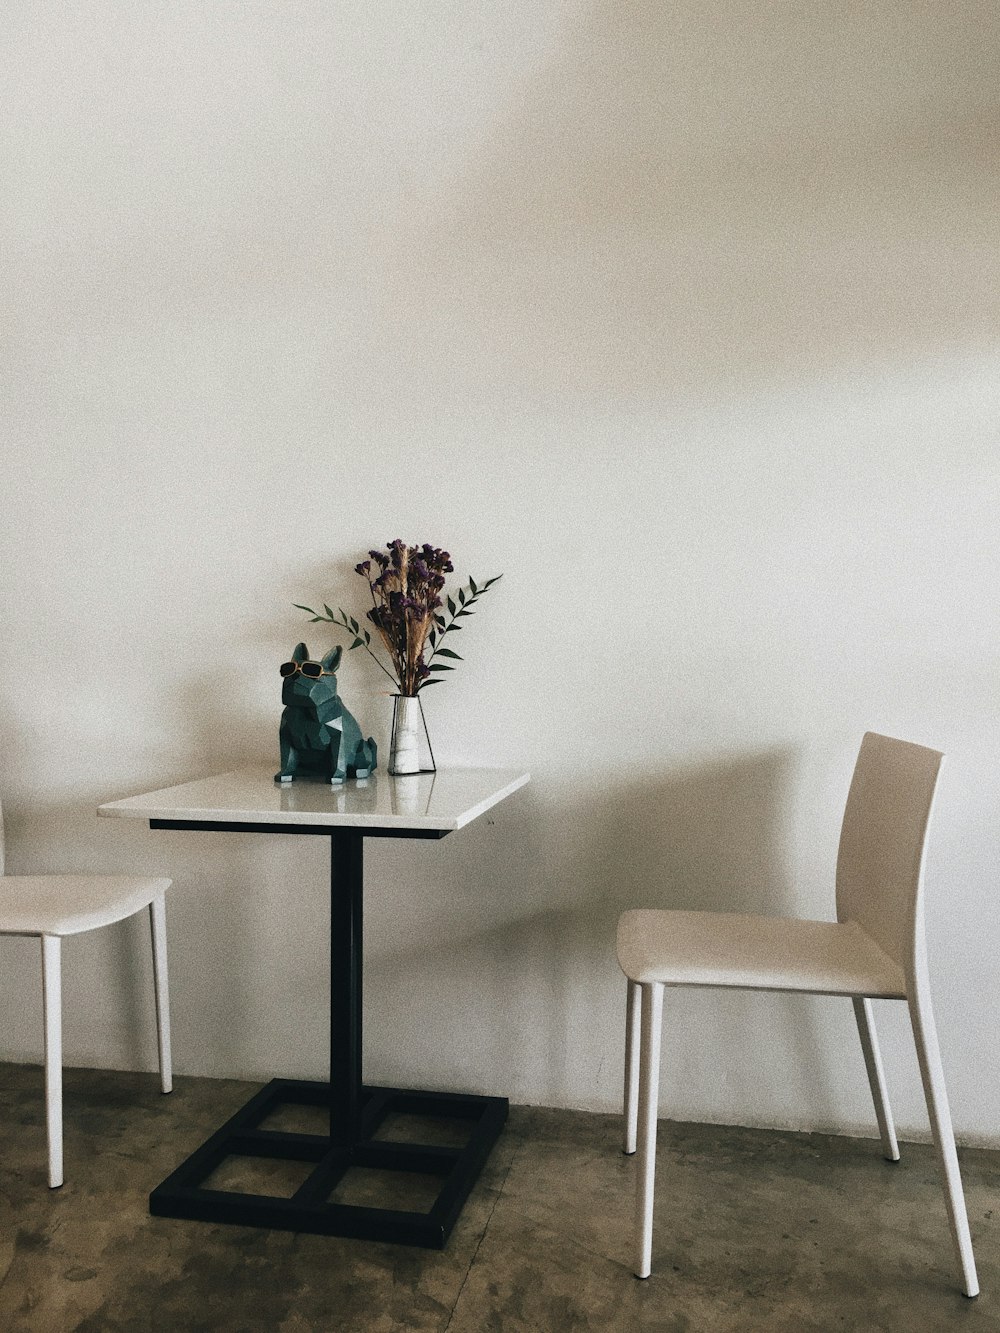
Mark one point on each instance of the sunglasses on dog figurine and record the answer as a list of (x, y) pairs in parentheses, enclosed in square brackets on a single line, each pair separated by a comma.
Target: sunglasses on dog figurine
[(313, 670)]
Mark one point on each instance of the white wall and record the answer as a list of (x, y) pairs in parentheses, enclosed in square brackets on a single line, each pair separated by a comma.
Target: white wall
[(684, 317)]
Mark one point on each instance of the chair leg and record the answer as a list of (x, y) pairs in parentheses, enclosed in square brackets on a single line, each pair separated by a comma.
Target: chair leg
[(876, 1076), (158, 930), (932, 1074), (649, 1088), (633, 1027), (52, 1018)]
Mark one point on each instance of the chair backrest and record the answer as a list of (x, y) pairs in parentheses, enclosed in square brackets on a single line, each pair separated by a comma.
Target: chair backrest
[(880, 864)]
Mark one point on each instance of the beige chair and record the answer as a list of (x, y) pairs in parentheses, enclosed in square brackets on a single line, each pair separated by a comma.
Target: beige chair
[(875, 949), (50, 907)]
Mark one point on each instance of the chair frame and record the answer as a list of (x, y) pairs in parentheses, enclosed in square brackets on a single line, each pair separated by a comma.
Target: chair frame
[(52, 1023), (644, 1000), (152, 896)]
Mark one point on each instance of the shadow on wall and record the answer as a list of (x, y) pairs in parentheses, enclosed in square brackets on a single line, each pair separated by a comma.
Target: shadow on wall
[(710, 838), (239, 906), (683, 194), (490, 955), (531, 967)]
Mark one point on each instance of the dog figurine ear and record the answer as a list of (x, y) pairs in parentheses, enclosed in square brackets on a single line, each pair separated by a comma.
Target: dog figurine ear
[(300, 653), (332, 660)]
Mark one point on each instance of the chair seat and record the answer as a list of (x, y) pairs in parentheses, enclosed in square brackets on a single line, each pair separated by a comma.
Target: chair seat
[(70, 904), (760, 952)]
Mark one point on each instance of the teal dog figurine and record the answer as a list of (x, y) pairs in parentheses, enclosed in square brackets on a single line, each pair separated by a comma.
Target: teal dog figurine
[(319, 737)]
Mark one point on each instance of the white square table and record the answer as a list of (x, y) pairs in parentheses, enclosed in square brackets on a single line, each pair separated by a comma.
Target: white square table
[(420, 806)]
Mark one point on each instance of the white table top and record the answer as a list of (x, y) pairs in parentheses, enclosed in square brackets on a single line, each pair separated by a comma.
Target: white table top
[(446, 800)]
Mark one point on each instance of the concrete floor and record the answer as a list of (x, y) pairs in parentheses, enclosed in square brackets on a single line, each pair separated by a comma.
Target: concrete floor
[(755, 1231)]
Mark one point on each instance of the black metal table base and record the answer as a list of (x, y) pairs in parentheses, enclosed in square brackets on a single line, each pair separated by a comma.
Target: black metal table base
[(356, 1110), (308, 1209)]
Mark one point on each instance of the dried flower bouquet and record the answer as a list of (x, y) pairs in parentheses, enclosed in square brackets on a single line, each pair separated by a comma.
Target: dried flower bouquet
[(406, 587)]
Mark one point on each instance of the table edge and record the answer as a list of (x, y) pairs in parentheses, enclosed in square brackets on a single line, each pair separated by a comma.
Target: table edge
[(123, 809)]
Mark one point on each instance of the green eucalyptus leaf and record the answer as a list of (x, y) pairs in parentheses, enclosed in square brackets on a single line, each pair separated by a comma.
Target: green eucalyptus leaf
[(356, 644), (328, 611), (466, 612), (446, 652), (451, 605), (424, 684), (472, 584), (299, 607), (461, 596), (448, 629), (354, 625), (439, 666)]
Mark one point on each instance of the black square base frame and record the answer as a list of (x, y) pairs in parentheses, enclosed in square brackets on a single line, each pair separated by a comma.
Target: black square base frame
[(183, 1195)]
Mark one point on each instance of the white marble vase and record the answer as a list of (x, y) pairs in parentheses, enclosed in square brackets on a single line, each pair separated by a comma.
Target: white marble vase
[(407, 724)]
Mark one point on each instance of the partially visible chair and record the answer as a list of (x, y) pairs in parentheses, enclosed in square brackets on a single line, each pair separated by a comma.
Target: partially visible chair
[(875, 949), (52, 906)]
